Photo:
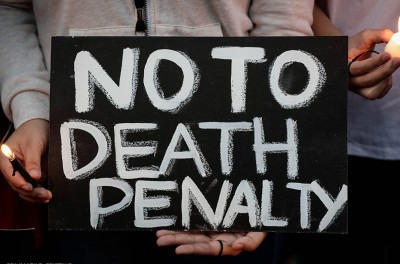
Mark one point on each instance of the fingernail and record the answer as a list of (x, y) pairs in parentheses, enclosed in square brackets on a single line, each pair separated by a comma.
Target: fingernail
[(26, 187), (34, 173), (42, 195), (396, 62), (385, 56), (239, 246)]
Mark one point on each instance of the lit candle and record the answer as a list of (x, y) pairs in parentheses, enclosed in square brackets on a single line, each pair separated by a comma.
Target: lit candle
[(17, 166), (393, 47)]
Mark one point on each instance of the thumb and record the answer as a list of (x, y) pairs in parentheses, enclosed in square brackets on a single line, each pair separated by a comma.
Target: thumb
[(32, 163), (249, 242)]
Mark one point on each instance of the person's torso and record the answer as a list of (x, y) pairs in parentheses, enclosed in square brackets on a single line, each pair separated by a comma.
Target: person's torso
[(172, 18)]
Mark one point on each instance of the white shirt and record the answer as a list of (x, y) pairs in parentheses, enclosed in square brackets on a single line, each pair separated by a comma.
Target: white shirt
[(373, 126)]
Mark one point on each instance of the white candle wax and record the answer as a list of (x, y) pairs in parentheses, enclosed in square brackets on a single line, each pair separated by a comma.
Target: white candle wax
[(393, 47)]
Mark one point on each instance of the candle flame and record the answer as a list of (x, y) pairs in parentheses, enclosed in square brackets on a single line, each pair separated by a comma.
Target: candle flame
[(7, 151)]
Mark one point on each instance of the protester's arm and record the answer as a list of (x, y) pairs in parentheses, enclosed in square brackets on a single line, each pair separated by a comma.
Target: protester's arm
[(206, 243), (322, 25), (369, 76), (24, 84), (23, 77)]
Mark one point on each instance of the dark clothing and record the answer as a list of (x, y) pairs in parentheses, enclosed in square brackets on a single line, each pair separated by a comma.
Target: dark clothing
[(373, 220), (122, 247)]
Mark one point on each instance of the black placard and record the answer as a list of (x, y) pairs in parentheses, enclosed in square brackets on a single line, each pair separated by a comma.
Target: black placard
[(199, 133)]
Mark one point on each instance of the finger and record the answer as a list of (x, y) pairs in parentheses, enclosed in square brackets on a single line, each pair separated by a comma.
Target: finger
[(370, 78), (39, 199), (362, 67), (38, 195), (33, 200), (376, 83), (367, 39), (32, 157), (250, 242), (370, 86), (161, 233), (181, 238), (374, 36), (377, 91), (38, 192), (379, 36), (211, 248)]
